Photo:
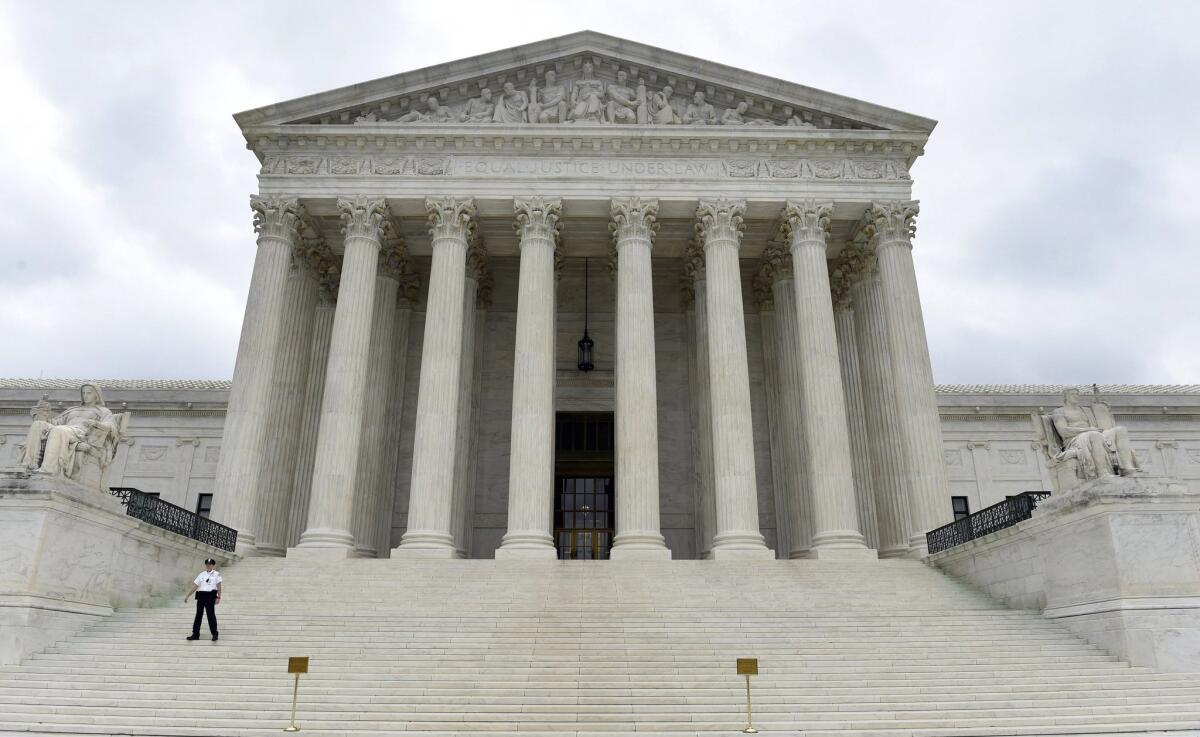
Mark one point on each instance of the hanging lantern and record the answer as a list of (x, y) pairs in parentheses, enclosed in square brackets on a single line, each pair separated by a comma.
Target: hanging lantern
[(585, 343)]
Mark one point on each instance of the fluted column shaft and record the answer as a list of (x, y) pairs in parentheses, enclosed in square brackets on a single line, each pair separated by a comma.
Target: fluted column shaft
[(235, 502), (464, 482), (339, 436), (531, 464), (292, 356), (929, 503), (826, 436), (381, 530), (791, 411), (314, 390), (639, 533), (431, 490), (737, 531), (860, 451), (471, 462), (889, 478), (779, 459), (370, 482)]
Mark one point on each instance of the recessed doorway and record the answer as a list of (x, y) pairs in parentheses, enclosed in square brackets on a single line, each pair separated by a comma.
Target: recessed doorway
[(584, 494)]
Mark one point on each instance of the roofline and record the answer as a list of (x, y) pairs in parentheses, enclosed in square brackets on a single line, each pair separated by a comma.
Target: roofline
[(449, 73)]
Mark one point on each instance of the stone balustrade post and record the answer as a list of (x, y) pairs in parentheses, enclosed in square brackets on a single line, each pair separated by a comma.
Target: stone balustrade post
[(431, 491), (235, 502), (719, 228), (892, 227), (339, 437), (836, 532), (531, 459), (639, 534)]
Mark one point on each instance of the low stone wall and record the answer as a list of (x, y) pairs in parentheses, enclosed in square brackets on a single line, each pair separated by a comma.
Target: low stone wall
[(70, 555), (1117, 561)]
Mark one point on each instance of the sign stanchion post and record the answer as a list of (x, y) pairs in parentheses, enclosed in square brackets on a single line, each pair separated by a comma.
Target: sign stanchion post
[(295, 666), (748, 667)]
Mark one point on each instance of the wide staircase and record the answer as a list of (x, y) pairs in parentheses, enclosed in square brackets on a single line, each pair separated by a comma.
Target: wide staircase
[(500, 647)]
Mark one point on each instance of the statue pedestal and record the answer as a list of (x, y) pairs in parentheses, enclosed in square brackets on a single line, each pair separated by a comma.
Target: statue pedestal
[(1116, 560), (70, 554)]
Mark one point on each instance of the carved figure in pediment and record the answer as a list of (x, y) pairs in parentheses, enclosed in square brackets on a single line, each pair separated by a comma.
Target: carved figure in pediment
[(79, 443), (434, 112), (659, 110), (512, 104), (737, 116), (622, 101), (370, 117), (587, 97), (549, 104), (798, 122), (700, 112), (479, 109)]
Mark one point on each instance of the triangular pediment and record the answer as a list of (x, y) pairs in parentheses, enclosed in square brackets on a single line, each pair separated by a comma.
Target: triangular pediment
[(597, 80)]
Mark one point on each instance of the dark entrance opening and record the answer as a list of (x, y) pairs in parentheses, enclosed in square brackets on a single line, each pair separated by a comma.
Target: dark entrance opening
[(584, 519)]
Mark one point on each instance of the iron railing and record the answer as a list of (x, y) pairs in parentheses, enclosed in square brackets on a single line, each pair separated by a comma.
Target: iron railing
[(986, 521), (149, 508)]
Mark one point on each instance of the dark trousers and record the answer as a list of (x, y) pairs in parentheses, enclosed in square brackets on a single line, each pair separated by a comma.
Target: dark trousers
[(205, 603)]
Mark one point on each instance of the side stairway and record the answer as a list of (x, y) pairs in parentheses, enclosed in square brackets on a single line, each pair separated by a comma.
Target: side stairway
[(501, 647)]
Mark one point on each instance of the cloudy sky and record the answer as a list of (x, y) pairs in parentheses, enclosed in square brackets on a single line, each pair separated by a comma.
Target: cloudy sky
[(1057, 240)]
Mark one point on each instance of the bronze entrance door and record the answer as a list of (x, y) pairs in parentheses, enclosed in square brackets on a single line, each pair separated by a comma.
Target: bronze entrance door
[(584, 523)]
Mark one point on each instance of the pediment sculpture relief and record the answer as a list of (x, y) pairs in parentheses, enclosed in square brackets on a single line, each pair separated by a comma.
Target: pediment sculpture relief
[(79, 443), (587, 99)]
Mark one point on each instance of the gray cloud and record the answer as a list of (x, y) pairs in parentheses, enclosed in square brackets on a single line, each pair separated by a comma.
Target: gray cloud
[(1058, 192)]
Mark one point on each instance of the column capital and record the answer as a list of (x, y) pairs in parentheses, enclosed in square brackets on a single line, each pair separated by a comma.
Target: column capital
[(477, 261), (277, 217), (393, 255), (633, 220), (720, 220), (841, 278), (363, 217), (764, 295), (892, 222), (538, 217), (311, 255), (693, 271), (410, 288), (328, 281), (451, 217), (806, 221)]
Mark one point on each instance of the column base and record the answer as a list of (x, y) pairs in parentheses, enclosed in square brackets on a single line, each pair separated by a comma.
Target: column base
[(643, 548), (849, 553), (417, 544), (245, 546), (326, 537), (527, 545), (896, 551), (271, 551), (918, 547), (315, 553), (365, 553), (800, 554)]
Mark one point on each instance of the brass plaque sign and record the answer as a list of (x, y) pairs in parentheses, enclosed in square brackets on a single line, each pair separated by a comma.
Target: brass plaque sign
[(300, 665), (747, 666)]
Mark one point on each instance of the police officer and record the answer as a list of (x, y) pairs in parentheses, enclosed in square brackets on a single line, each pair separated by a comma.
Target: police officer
[(207, 588)]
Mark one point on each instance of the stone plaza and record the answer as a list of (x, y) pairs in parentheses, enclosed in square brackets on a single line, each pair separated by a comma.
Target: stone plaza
[(589, 300)]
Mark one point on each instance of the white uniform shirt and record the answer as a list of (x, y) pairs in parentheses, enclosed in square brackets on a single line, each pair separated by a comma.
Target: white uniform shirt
[(208, 580)]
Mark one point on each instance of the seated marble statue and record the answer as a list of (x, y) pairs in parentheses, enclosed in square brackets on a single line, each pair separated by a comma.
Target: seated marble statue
[(548, 105), (479, 109), (622, 101), (511, 106), (78, 444), (1089, 434), (587, 97), (699, 112), (659, 110)]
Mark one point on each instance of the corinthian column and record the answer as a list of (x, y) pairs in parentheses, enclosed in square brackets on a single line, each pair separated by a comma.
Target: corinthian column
[(694, 290), (277, 222), (531, 464), (339, 437), (844, 317), (638, 528), (830, 474), (293, 355), (892, 227), (431, 491), (790, 406), (737, 533), (464, 477), (372, 480)]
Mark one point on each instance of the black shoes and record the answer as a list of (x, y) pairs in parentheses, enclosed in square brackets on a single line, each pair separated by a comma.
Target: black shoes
[(215, 638), (193, 637)]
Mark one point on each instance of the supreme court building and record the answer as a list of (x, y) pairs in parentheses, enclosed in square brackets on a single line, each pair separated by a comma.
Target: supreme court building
[(433, 246)]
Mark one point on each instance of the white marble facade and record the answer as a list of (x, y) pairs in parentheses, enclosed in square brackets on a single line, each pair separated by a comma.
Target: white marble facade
[(418, 284)]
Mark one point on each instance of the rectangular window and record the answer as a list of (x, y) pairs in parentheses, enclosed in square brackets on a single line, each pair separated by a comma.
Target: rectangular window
[(961, 507), (204, 505)]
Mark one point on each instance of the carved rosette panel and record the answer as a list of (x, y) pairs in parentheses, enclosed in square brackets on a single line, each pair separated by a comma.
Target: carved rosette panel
[(807, 221), (451, 217), (720, 221), (894, 221), (363, 217), (277, 217)]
